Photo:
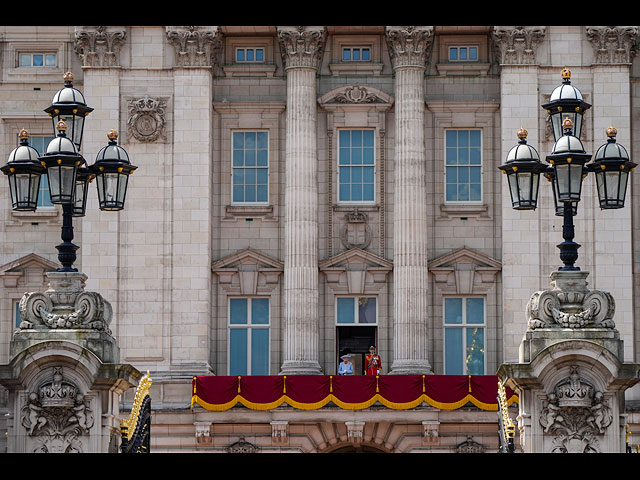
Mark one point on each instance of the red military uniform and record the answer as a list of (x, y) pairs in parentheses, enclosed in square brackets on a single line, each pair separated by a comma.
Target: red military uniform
[(372, 364)]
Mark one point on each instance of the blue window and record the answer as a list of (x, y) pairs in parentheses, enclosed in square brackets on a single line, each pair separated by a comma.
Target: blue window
[(356, 310), (249, 336), (40, 144), (464, 326), (356, 54), (38, 59), (17, 310), (356, 166), (250, 167), (463, 54), (463, 166), (249, 55)]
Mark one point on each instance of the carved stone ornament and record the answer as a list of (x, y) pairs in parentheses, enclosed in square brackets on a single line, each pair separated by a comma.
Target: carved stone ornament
[(569, 304), (356, 232), (613, 44), (470, 446), (56, 415), (147, 118), (575, 414), (356, 94), (242, 446), (409, 46), (99, 46), (302, 46), (195, 46), (65, 305), (516, 45)]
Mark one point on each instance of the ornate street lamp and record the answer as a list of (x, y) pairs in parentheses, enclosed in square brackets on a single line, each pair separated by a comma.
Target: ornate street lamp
[(568, 167), (70, 107), (23, 171), (112, 170), (611, 167), (66, 170), (523, 170)]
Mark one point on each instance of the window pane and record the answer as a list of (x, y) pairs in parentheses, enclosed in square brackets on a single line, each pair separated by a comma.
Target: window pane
[(453, 310), (260, 54), (238, 311), (259, 351), (260, 311), (18, 318), (453, 351), (38, 60), (238, 351), (25, 60), (367, 310), (475, 310), (473, 53), (346, 54), (453, 54), (366, 55), (240, 55), (475, 351), (345, 310), (50, 60)]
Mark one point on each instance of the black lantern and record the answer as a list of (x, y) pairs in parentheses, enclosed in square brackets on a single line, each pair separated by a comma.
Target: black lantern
[(84, 176), (112, 170), (69, 106), (566, 102), (62, 161), (523, 168), (568, 158), (549, 174), (23, 170), (611, 166)]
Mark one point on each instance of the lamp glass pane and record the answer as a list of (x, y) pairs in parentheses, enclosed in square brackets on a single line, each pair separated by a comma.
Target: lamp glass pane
[(524, 183), (62, 182)]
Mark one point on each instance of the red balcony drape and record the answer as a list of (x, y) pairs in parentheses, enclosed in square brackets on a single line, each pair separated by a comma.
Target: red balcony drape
[(308, 392)]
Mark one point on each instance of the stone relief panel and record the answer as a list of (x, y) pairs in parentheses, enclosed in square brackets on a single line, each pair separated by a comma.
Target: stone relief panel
[(147, 118), (574, 414), (56, 415), (356, 232)]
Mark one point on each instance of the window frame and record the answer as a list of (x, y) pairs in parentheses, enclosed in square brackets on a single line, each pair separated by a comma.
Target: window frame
[(457, 165), (464, 326), (360, 49), (265, 202), (32, 53), (251, 48), (356, 316), (340, 201), (248, 327), (458, 47)]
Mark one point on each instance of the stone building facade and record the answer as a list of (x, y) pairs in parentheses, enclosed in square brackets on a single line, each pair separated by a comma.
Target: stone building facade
[(336, 186)]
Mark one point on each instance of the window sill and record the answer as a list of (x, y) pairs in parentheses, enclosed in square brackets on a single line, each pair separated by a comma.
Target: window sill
[(464, 210), (460, 68), (42, 215), (362, 68), (233, 212), (249, 70)]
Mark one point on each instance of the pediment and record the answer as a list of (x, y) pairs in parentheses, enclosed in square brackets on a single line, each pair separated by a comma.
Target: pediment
[(247, 259), (29, 270), (356, 95), (356, 257), (463, 257), (30, 260)]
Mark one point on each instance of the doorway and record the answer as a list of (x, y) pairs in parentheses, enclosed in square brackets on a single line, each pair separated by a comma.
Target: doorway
[(355, 341)]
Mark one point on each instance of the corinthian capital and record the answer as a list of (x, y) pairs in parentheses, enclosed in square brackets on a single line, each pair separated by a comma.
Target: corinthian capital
[(409, 46), (613, 44), (99, 46), (302, 46), (517, 45), (195, 46)]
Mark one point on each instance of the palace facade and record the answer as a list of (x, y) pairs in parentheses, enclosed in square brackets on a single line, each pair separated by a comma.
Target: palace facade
[(308, 192)]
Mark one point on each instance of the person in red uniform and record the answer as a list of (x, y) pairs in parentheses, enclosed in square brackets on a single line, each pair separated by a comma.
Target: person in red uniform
[(372, 363)]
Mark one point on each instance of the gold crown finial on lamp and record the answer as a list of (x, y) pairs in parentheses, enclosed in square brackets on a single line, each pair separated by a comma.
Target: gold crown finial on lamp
[(61, 126), (23, 134), (611, 132), (68, 77), (112, 134), (522, 133), (567, 124), (565, 74)]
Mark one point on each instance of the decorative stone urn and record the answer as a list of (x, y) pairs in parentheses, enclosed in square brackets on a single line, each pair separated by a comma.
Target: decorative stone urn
[(571, 377), (63, 377)]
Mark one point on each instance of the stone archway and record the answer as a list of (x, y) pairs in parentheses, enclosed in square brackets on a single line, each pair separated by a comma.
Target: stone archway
[(356, 448)]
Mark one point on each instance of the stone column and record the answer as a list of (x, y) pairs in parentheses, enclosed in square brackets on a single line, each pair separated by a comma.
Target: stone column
[(519, 107), (409, 47), (301, 49), (613, 52)]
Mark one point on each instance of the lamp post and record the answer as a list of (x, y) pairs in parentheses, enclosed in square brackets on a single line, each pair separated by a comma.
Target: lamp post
[(568, 166), (67, 172)]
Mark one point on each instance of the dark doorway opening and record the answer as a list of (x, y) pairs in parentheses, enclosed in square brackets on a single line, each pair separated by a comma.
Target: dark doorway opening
[(355, 341)]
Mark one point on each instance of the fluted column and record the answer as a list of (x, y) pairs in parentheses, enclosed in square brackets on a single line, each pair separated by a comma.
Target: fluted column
[(301, 49), (409, 47)]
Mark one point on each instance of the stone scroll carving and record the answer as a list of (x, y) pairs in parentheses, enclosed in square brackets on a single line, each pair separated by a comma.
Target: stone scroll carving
[(569, 304), (613, 44), (65, 305), (147, 118), (575, 414), (99, 46), (516, 45), (56, 415)]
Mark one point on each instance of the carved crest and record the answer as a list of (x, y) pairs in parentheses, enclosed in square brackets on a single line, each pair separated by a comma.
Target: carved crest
[(147, 118), (356, 232)]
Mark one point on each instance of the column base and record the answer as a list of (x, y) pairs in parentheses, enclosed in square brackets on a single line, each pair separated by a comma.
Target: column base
[(304, 367), (410, 367)]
